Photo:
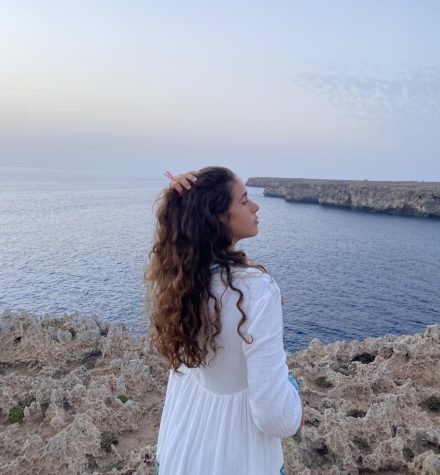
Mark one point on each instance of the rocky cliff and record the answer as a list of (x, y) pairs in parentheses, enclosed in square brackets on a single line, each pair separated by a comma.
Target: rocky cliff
[(82, 396), (393, 197)]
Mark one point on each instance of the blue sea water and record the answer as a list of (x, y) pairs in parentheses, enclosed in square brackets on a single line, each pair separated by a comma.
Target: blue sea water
[(77, 241)]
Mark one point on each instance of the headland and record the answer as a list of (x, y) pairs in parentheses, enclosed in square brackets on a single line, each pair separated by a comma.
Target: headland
[(407, 198)]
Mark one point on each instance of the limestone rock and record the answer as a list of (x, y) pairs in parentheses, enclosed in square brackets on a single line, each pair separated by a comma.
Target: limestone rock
[(393, 197), (364, 401)]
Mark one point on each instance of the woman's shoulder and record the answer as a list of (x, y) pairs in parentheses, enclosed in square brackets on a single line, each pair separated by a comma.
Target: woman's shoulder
[(245, 271), (252, 279), (256, 280), (252, 273)]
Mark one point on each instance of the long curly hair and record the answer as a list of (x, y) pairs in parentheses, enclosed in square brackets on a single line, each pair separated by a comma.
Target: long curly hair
[(189, 238)]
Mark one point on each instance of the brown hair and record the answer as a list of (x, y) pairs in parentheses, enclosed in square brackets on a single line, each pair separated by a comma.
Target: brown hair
[(189, 238)]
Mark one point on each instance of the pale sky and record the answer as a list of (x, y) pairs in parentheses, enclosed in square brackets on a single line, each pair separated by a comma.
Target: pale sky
[(314, 89)]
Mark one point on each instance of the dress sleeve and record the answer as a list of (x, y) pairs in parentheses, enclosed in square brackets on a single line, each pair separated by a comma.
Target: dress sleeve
[(275, 402)]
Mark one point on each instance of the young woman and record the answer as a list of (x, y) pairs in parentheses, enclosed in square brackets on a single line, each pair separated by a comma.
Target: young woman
[(217, 320)]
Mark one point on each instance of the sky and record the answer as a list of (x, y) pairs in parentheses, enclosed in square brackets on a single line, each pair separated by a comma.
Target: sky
[(337, 89)]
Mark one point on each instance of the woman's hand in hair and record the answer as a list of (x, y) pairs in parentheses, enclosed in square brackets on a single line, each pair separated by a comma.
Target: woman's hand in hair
[(182, 182)]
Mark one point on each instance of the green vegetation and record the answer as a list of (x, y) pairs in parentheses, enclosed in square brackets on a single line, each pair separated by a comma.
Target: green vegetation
[(123, 398), (107, 440), (356, 413), (16, 414), (433, 403)]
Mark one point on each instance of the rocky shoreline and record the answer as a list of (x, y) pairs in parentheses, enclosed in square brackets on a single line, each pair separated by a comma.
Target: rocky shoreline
[(407, 198), (82, 396)]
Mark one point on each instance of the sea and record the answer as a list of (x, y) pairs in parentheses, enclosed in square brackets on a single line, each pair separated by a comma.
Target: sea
[(78, 242)]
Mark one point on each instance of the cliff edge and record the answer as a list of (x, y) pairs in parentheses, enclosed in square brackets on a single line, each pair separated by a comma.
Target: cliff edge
[(408, 198)]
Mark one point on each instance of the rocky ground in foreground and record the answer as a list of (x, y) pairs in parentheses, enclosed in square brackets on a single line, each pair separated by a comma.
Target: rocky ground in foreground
[(79, 396)]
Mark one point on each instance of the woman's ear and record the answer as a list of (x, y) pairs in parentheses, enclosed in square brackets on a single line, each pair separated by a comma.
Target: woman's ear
[(224, 218)]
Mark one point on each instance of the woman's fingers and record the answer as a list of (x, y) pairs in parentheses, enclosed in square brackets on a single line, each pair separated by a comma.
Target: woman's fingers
[(183, 181), (175, 185), (193, 175)]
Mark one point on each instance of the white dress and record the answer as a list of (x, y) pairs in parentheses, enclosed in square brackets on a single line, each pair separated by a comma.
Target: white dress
[(228, 418)]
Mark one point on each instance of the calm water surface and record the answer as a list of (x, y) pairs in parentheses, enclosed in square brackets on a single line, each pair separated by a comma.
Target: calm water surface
[(71, 241)]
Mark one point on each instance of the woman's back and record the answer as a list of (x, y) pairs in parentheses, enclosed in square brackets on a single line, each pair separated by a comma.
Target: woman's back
[(227, 417), (227, 372)]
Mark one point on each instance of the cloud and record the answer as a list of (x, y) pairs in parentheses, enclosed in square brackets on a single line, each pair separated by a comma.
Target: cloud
[(409, 104)]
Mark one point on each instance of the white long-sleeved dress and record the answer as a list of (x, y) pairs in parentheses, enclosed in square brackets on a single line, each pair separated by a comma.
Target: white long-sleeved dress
[(228, 418)]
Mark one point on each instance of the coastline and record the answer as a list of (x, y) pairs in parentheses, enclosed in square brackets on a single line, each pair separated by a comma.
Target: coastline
[(405, 198), (78, 384)]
